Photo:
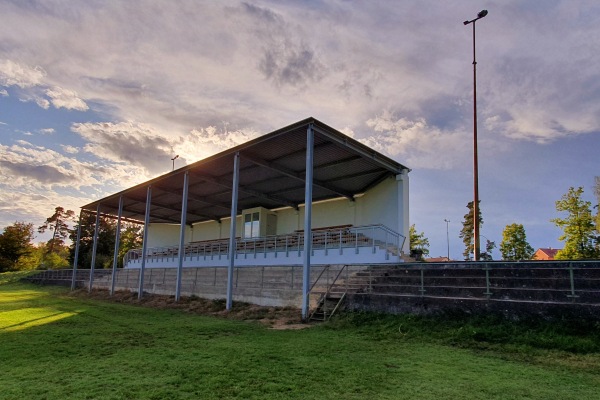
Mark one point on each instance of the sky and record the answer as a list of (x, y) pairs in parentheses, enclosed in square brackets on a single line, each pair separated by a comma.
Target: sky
[(96, 96)]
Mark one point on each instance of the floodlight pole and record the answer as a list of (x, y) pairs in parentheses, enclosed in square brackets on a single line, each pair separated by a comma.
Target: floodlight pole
[(476, 246), (447, 221)]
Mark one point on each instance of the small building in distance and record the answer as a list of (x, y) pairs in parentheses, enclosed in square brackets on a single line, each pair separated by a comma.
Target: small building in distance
[(545, 254)]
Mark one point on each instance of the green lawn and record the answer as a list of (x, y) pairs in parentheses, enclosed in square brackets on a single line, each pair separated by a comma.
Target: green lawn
[(54, 346)]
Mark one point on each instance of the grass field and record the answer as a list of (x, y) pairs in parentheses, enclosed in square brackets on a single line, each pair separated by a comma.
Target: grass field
[(57, 346)]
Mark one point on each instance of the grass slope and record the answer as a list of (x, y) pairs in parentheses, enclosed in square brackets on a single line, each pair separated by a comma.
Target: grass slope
[(54, 346)]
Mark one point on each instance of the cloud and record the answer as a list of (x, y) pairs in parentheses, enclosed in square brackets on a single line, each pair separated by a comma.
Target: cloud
[(66, 99), (140, 145), (23, 76), (69, 149), (3, 93), (38, 168), (47, 131), (126, 142), (416, 143)]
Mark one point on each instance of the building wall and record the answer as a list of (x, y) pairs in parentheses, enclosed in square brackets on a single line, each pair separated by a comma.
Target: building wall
[(379, 205)]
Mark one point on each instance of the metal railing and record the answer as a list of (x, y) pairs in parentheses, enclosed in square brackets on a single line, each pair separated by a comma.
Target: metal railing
[(334, 239)]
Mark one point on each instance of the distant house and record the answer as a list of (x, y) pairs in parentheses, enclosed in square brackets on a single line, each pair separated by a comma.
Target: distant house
[(545, 254)]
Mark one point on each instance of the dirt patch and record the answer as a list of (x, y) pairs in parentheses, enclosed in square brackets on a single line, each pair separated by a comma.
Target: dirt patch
[(279, 318)]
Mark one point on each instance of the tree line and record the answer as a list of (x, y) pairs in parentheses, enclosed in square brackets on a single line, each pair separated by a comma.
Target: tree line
[(580, 232), (18, 252)]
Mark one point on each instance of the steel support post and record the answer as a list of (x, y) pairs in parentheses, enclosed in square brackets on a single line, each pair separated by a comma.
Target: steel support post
[(94, 248), (116, 252), (76, 258), (232, 229), (310, 139), (184, 202), (145, 241)]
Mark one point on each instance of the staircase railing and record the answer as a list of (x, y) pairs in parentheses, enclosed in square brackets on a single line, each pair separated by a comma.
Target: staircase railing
[(322, 301)]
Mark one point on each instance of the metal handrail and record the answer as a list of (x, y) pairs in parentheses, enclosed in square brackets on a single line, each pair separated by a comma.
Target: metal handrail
[(325, 239), (323, 297)]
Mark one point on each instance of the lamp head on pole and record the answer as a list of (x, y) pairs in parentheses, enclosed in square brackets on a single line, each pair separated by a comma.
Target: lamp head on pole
[(480, 15)]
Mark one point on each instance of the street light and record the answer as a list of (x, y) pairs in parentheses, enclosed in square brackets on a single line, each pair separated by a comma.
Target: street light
[(481, 14), (447, 221), (173, 159)]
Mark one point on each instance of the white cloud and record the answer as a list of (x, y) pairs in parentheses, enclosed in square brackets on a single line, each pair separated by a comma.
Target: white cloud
[(3, 93), (47, 131), (66, 99), (69, 149), (23, 76), (416, 143)]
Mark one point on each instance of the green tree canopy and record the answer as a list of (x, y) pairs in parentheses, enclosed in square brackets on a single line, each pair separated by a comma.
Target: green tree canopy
[(57, 223), (131, 237), (419, 244), (579, 230), (514, 244), (467, 231), (15, 242)]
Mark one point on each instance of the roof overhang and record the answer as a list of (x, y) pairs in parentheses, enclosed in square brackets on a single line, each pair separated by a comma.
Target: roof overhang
[(272, 171)]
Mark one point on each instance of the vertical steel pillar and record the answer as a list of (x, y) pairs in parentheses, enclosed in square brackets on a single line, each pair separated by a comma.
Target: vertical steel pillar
[(181, 254), (232, 228), (145, 241), (402, 181), (94, 247), (76, 259), (307, 220), (116, 252)]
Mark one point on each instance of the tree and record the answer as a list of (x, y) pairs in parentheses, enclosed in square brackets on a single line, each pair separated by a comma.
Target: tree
[(57, 223), (487, 254), (514, 244), (597, 206), (131, 237), (15, 242), (419, 244), (579, 231), (466, 233)]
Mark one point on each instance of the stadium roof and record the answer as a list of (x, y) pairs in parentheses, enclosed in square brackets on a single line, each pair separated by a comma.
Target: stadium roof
[(272, 174)]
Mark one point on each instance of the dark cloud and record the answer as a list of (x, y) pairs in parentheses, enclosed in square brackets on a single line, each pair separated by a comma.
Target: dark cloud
[(289, 66), (45, 174)]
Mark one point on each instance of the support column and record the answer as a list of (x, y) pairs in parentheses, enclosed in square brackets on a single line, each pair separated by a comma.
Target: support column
[(94, 248), (116, 252), (76, 259), (403, 209), (145, 241), (181, 254), (307, 221), (232, 229)]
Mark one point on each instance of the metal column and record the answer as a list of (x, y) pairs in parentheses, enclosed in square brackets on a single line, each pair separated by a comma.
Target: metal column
[(94, 248), (145, 241), (76, 259), (232, 229), (307, 220), (116, 252), (181, 254)]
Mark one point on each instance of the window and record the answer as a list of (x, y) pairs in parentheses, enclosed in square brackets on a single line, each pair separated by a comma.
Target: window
[(252, 225)]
